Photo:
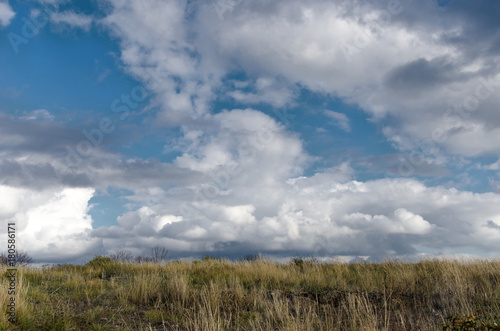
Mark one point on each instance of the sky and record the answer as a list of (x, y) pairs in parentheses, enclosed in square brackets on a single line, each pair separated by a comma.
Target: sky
[(234, 127)]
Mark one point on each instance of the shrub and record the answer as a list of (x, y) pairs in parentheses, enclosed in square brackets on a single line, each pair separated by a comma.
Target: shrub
[(122, 256), (208, 258), (301, 262), (469, 322), (22, 258), (100, 261), (106, 266), (158, 253), (142, 259)]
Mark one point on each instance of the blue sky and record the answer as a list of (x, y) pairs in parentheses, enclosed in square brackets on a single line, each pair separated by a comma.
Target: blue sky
[(326, 128)]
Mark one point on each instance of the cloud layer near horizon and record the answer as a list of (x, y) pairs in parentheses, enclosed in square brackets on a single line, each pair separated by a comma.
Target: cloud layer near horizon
[(248, 198)]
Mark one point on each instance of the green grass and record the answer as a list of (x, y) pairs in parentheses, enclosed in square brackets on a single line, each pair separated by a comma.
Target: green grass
[(216, 294)]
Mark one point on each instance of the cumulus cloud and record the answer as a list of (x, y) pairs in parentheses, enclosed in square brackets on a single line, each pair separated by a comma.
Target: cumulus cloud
[(156, 49), (6, 14), (251, 200), (372, 55), (238, 187), (378, 218), (52, 224), (392, 62)]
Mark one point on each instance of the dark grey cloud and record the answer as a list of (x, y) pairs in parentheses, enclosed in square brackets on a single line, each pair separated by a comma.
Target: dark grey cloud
[(479, 18), (492, 225), (35, 153), (39, 176), (139, 173), (472, 27), (35, 136), (418, 164), (421, 74), (113, 232)]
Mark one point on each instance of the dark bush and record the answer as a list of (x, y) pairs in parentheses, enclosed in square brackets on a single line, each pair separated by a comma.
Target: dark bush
[(104, 265), (22, 258), (158, 253), (122, 256)]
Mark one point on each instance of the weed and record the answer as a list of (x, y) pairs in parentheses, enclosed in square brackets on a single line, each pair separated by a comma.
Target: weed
[(470, 322)]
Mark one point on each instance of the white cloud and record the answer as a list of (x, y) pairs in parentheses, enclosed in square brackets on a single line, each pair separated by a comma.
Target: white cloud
[(394, 64), (156, 49), (242, 138), (268, 90), (304, 44), (251, 199), (6, 14), (39, 114), (145, 221), (385, 217), (339, 119), (239, 186), (72, 19), (493, 166), (51, 224)]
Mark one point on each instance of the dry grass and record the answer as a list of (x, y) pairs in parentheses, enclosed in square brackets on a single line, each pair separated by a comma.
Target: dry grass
[(258, 295)]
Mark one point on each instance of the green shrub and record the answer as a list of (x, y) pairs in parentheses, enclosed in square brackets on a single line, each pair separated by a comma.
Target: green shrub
[(106, 266), (469, 323), (208, 258)]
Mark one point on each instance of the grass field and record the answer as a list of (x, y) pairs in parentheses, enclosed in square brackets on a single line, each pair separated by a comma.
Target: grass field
[(259, 295)]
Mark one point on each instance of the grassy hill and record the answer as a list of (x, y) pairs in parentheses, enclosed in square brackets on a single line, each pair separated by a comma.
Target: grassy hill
[(259, 295)]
